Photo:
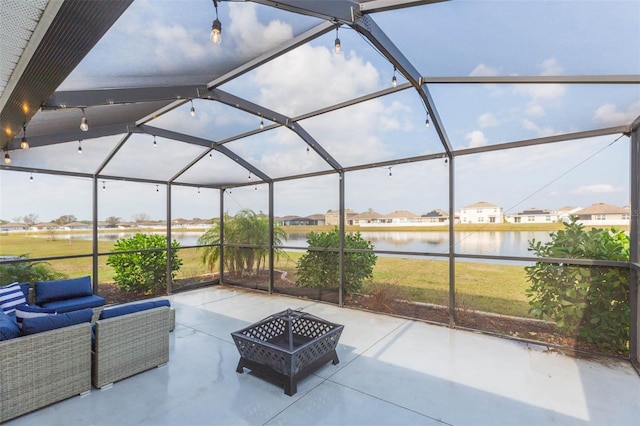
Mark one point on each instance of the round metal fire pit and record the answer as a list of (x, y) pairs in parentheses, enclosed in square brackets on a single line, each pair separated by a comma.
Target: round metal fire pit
[(287, 346)]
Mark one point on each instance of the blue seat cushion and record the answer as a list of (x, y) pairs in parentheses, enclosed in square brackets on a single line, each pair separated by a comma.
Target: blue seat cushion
[(52, 322), (31, 311), (117, 311), (69, 305), (51, 291), (8, 327)]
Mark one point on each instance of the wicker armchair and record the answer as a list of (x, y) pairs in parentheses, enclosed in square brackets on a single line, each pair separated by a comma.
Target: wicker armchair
[(43, 368), (129, 344)]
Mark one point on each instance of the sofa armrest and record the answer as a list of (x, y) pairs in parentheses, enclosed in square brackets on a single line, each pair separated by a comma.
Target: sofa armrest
[(129, 344), (43, 368)]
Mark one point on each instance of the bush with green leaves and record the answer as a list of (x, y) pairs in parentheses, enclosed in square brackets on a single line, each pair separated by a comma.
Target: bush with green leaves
[(591, 302), (28, 272), (141, 269), (322, 268)]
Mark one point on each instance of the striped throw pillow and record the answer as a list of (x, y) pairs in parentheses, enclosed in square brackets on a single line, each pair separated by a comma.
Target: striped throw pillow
[(10, 297), (31, 311)]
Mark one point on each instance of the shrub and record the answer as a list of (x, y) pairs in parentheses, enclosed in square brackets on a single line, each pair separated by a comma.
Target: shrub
[(322, 268), (143, 270), (591, 302), (28, 272)]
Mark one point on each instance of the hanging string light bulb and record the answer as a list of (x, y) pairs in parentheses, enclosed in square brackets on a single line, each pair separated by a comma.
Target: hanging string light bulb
[(193, 110), (394, 80), (337, 44), (155, 144), (216, 27), (261, 124), (104, 187), (84, 125), (426, 123), (80, 147), (31, 178), (390, 174), (24, 144), (7, 158)]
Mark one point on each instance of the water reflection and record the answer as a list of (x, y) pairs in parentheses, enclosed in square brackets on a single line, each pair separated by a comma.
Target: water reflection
[(512, 243)]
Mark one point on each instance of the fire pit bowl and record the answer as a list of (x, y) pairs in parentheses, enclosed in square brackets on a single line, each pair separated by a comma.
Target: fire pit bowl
[(287, 346)]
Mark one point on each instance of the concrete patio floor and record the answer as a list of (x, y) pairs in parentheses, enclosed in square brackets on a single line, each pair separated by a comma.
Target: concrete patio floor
[(392, 371)]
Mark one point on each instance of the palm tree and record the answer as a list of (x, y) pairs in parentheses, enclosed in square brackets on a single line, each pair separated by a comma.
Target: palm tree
[(246, 228)]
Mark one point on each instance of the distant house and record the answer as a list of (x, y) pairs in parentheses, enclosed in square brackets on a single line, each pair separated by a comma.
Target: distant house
[(332, 217), (12, 227), (435, 217), (295, 221), (533, 215), (78, 225), (317, 219), (604, 214), (367, 218), (481, 212), (565, 212), (401, 217)]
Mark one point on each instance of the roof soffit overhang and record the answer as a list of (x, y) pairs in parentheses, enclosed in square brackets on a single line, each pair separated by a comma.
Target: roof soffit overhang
[(77, 26)]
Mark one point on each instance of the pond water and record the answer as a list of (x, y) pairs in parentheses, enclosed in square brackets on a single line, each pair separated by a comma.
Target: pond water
[(511, 243)]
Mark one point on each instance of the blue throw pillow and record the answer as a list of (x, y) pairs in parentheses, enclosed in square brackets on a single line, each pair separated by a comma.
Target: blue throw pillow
[(134, 307), (10, 297), (52, 322), (8, 327), (31, 311), (50, 291)]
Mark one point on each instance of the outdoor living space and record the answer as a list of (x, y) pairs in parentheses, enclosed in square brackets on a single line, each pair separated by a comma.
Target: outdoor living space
[(391, 371)]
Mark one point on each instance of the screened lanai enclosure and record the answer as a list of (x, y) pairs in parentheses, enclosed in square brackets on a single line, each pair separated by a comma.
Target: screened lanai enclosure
[(174, 117)]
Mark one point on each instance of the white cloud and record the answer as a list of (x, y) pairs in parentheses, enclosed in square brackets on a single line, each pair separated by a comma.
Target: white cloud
[(483, 70), (476, 138), (540, 130), (597, 189), (488, 120), (608, 114), (550, 66), (249, 35)]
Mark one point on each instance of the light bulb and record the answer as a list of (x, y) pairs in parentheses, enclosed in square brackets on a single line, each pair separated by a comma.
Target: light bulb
[(338, 46), (104, 187), (394, 81), (390, 175), (216, 32), (446, 162), (31, 178), (155, 144), (261, 124), (24, 144), (79, 147), (7, 158), (157, 188), (193, 110), (426, 123), (84, 126)]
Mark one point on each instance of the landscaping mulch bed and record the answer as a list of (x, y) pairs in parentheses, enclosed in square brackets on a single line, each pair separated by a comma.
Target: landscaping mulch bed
[(523, 329)]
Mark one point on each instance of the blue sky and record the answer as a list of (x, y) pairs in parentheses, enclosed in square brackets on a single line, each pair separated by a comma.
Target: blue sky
[(462, 38)]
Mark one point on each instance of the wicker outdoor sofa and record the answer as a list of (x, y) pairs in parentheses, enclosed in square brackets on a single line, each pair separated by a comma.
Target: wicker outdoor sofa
[(129, 344), (40, 369)]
